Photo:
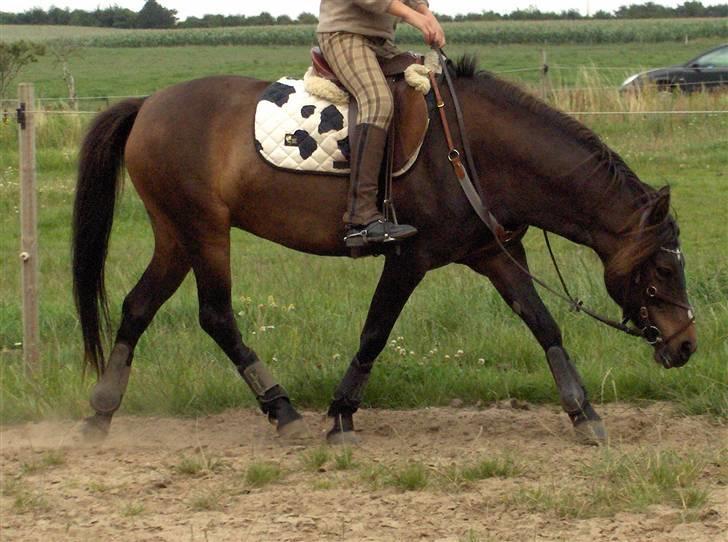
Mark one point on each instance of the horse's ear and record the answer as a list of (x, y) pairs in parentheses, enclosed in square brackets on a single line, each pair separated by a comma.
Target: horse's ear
[(660, 208)]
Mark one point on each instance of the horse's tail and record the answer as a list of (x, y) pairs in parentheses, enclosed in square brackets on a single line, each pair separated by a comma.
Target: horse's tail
[(99, 173)]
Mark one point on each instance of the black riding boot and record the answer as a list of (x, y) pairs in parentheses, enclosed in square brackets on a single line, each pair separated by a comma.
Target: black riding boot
[(366, 223)]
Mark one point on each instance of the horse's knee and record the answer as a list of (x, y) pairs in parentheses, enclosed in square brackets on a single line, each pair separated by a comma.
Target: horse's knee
[(213, 320)]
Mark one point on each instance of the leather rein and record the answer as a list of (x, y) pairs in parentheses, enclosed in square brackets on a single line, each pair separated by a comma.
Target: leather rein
[(647, 330)]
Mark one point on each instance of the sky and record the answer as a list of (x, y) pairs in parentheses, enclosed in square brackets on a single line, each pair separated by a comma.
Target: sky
[(187, 8)]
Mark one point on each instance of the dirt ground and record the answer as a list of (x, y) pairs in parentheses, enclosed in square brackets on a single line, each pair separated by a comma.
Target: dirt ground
[(185, 479)]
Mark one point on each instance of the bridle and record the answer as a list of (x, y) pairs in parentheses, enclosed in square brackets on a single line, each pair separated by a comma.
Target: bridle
[(645, 326), (651, 293)]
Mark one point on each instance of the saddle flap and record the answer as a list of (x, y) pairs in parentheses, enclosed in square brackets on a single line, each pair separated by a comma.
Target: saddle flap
[(411, 121)]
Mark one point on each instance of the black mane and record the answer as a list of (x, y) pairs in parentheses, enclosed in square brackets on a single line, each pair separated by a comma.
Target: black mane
[(501, 91)]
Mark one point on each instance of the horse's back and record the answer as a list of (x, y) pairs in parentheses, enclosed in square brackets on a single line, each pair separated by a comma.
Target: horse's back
[(191, 155)]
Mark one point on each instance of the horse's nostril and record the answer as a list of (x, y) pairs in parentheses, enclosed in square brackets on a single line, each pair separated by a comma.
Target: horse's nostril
[(686, 348)]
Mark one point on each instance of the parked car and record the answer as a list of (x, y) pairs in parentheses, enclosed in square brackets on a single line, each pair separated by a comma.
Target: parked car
[(707, 71)]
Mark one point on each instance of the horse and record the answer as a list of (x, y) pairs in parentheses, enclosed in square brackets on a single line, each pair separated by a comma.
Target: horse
[(189, 155)]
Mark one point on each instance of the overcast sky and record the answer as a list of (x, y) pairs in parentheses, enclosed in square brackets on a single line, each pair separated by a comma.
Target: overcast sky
[(186, 8)]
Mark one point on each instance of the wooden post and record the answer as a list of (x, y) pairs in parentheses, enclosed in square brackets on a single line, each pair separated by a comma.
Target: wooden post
[(29, 226)]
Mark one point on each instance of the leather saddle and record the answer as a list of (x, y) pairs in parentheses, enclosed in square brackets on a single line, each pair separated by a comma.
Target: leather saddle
[(411, 118)]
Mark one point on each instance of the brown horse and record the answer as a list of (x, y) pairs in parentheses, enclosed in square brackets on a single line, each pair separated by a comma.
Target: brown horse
[(191, 159)]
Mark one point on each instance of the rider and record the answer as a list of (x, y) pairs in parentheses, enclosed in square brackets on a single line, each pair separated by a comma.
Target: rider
[(353, 35)]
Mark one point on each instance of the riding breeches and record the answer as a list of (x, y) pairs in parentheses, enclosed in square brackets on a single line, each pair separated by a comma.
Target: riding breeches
[(353, 58)]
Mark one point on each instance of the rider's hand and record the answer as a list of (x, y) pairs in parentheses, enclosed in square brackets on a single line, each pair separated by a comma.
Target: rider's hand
[(431, 29), (422, 19)]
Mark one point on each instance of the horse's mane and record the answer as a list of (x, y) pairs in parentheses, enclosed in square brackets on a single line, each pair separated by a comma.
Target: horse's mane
[(647, 240)]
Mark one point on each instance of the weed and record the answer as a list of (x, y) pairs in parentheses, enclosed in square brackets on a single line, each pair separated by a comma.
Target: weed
[(207, 501), (462, 476), (411, 477), (132, 509), (344, 460), (627, 482), (262, 474), (198, 465), (50, 459), (30, 502), (314, 460)]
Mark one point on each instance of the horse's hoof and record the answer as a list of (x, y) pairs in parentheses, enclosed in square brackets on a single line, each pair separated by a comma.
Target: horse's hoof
[(342, 438), (294, 430), (95, 428), (591, 432)]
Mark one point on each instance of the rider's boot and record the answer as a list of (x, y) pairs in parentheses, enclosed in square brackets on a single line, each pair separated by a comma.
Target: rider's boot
[(366, 224)]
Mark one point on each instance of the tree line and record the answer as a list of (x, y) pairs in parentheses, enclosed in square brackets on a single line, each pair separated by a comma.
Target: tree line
[(154, 15)]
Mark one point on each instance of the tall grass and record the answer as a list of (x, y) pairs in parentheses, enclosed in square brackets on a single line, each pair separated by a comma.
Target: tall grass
[(303, 314)]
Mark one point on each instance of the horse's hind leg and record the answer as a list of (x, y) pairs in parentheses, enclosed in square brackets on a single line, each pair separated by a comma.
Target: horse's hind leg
[(160, 280), (518, 291), (211, 266)]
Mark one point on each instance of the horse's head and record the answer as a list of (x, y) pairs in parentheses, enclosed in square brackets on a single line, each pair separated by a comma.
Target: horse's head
[(647, 278)]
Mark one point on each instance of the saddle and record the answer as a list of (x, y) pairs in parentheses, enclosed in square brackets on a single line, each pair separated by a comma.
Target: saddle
[(411, 118)]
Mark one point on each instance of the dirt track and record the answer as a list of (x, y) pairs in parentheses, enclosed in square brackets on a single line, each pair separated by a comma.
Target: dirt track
[(132, 487)]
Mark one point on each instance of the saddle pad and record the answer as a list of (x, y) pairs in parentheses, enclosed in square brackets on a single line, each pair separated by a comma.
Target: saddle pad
[(298, 131)]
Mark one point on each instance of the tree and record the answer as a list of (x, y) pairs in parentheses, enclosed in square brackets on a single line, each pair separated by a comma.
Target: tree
[(13, 58), (307, 18), (62, 50), (154, 15)]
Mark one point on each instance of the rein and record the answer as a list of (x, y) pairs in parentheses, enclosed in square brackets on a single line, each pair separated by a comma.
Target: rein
[(649, 332)]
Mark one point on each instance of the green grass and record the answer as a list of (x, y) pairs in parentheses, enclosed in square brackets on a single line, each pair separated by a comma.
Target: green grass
[(142, 71), (455, 339), (461, 476), (50, 459), (627, 482), (313, 460), (262, 474)]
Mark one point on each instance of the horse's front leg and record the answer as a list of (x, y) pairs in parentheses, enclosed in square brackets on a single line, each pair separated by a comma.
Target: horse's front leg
[(399, 278), (518, 291)]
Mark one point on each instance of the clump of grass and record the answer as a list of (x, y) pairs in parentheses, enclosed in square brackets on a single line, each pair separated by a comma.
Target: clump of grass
[(411, 477), (198, 465), (207, 501), (344, 460), (323, 484), (461, 476), (26, 502), (627, 482), (262, 474), (314, 460), (49, 460), (132, 509)]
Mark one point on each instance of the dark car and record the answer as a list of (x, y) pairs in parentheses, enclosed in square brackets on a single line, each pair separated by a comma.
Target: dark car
[(707, 71)]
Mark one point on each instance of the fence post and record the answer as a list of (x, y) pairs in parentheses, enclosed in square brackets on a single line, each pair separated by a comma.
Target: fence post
[(544, 74), (28, 225)]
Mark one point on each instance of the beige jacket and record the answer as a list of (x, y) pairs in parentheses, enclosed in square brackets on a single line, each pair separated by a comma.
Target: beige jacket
[(365, 17)]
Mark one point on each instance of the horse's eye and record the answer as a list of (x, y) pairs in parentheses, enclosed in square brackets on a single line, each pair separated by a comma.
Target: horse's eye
[(664, 273)]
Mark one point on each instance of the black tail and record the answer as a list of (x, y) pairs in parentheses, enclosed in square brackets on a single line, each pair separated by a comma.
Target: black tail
[(99, 173)]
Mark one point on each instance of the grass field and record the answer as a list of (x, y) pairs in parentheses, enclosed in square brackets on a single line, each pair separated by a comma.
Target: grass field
[(456, 338), (141, 71)]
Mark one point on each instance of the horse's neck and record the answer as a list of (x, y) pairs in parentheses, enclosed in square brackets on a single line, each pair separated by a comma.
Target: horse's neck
[(558, 183)]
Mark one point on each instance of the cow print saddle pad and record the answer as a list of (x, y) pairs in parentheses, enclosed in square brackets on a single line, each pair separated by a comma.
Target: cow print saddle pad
[(298, 131)]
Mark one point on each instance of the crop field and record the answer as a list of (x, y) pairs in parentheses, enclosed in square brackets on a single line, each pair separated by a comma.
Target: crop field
[(494, 33), (496, 465)]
